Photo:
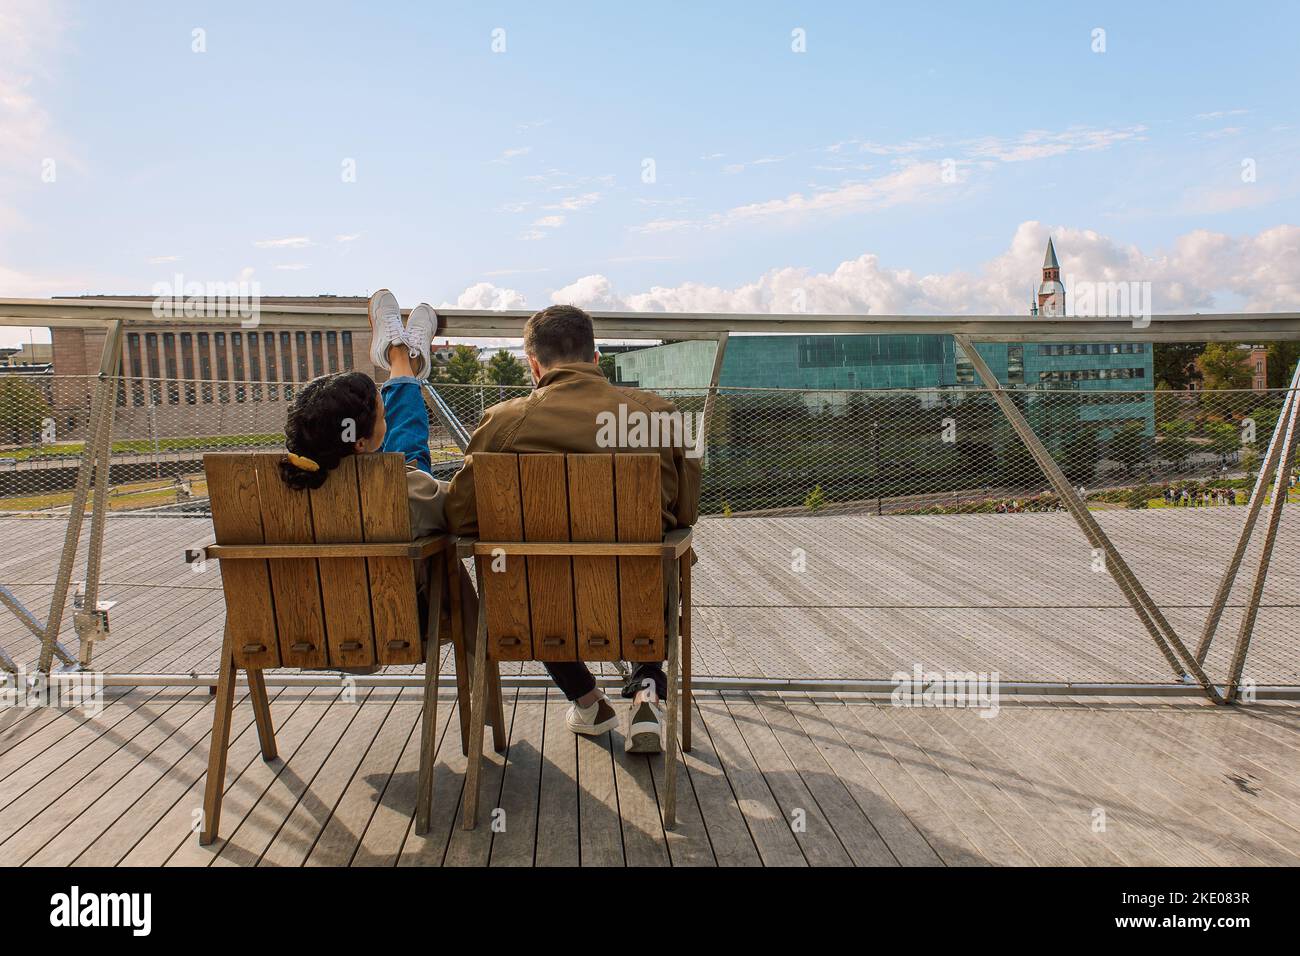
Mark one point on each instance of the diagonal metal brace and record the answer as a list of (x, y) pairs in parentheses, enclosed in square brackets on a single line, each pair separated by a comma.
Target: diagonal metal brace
[(1148, 613)]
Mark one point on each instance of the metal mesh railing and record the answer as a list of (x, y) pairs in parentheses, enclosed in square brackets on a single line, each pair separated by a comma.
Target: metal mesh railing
[(850, 534)]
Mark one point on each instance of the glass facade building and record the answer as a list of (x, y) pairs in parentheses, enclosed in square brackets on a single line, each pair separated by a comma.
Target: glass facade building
[(1119, 375)]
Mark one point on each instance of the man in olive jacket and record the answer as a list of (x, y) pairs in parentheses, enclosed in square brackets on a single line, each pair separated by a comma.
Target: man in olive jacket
[(564, 414)]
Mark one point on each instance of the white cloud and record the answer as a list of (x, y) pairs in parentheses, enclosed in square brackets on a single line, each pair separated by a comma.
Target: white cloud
[(162, 260), (1040, 144), (349, 237), (1220, 114), (549, 222), (571, 203), (509, 154), (30, 38), (533, 235), (293, 267), (292, 242), (1201, 267), (484, 295), (911, 182)]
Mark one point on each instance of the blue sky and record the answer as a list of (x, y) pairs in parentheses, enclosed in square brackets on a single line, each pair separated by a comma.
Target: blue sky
[(913, 158)]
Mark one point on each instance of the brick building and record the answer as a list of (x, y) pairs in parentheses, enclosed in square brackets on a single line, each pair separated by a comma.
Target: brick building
[(212, 379)]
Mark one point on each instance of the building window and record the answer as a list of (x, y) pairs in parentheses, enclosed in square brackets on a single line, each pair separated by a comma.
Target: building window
[(237, 358), (347, 351), (304, 371), (286, 365), (187, 367), (255, 364), (1015, 365), (205, 367), (137, 371), (317, 355), (169, 367), (332, 350), (223, 369), (273, 393)]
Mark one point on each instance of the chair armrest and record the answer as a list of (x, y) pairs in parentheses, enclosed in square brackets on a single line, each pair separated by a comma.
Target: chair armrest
[(677, 542), (198, 551), (429, 544), (464, 546), (412, 550)]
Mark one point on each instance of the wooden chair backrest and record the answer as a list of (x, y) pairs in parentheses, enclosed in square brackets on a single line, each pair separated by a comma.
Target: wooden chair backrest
[(316, 612), (561, 608)]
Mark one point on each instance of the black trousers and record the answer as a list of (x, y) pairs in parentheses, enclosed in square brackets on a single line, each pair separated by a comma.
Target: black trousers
[(575, 679)]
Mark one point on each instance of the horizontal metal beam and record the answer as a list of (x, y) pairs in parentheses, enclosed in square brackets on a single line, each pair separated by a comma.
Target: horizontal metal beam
[(813, 685), (508, 323)]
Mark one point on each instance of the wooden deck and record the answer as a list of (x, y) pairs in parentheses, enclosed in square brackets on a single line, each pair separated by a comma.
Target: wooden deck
[(868, 784), (1015, 594), (1175, 781)]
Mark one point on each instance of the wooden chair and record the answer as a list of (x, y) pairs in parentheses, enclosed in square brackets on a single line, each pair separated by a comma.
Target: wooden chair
[(326, 579), (591, 583)]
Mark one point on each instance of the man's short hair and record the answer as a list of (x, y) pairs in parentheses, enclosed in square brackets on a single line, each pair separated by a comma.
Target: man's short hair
[(559, 334)]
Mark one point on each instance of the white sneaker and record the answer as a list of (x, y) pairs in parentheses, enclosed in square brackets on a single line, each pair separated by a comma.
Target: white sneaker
[(385, 327), (592, 720), (644, 728), (421, 327)]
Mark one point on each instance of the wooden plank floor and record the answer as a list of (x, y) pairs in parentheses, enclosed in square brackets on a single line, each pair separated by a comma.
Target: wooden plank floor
[(1012, 594), (775, 780)]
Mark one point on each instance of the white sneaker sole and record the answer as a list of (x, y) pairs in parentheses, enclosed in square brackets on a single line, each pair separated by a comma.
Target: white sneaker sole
[(379, 343), (645, 739), (592, 730)]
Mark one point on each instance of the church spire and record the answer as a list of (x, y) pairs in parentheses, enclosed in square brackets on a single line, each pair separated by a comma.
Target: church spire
[(1049, 260)]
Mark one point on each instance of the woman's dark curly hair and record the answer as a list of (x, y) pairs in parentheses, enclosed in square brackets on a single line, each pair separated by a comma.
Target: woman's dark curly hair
[(326, 411)]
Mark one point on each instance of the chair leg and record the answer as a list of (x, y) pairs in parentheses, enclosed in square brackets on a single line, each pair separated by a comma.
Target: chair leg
[(688, 708), (216, 783), (457, 583), (428, 738), (496, 712), (464, 680), (670, 751), (477, 716), (262, 713)]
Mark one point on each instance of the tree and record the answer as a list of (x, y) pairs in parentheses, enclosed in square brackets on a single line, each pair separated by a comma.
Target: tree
[(504, 369), (1175, 364), (1224, 366), (1128, 445), (1080, 454), (462, 368), (816, 500), (1173, 445), (1282, 358), (1225, 439), (608, 366), (22, 409)]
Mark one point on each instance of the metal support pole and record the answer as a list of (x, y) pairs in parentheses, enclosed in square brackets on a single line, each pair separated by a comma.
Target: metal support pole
[(1280, 489), (101, 401), (709, 399), (88, 621), (1266, 469), (1147, 611)]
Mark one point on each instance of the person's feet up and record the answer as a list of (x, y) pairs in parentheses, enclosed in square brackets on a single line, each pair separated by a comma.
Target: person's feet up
[(592, 720), (644, 734), (421, 327), (385, 326)]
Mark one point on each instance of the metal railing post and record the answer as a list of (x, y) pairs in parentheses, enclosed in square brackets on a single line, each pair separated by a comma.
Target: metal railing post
[(1147, 611), (1281, 489), (101, 404), (1266, 469), (709, 399)]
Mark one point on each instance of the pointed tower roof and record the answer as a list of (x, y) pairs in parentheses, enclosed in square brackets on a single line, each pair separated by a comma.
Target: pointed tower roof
[(1049, 260)]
